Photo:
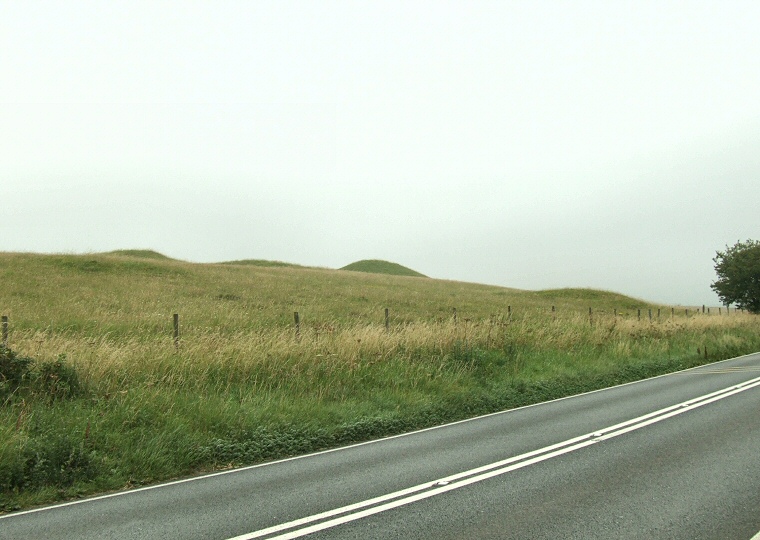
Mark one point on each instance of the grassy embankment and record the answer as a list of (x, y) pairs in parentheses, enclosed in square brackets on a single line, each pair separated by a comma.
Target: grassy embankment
[(96, 397)]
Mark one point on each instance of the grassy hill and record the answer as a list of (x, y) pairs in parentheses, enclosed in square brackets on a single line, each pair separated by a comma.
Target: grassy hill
[(96, 394), (374, 266), (140, 254), (121, 290), (263, 263)]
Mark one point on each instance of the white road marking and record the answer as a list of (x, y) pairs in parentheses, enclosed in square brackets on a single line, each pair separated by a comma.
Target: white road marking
[(738, 369), (413, 494)]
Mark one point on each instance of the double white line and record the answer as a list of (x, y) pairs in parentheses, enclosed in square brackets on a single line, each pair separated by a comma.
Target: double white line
[(359, 510)]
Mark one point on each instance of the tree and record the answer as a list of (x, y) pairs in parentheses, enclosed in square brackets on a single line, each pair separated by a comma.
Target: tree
[(738, 269)]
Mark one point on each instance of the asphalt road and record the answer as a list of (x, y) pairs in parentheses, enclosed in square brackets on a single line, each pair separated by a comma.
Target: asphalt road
[(671, 457)]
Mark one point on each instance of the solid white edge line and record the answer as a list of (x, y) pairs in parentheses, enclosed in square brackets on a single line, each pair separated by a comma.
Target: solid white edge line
[(341, 448), (465, 478)]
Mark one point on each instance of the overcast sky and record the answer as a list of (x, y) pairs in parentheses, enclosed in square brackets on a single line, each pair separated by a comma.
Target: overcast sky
[(608, 144)]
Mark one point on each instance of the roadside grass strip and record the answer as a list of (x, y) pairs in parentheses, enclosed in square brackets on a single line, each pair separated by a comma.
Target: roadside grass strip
[(339, 516)]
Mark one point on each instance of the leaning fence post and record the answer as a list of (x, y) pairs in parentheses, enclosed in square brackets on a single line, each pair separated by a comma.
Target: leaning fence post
[(5, 331), (176, 330)]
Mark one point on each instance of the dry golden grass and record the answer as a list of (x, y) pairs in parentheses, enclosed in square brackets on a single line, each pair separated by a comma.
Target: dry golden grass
[(273, 358)]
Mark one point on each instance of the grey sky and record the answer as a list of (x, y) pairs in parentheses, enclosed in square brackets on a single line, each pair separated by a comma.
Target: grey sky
[(532, 144)]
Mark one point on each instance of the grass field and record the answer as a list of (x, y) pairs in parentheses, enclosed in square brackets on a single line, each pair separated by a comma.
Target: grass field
[(96, 396)]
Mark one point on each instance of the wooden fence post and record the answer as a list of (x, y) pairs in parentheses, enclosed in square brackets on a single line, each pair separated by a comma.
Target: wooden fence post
[(176, 330), (5, 331), (297, 320), (590, 317), (387, 321)]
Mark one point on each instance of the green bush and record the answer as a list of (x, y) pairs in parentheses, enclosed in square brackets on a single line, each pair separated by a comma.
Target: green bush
[(51, 460), (14, 371), (22, 377), (56, 380)]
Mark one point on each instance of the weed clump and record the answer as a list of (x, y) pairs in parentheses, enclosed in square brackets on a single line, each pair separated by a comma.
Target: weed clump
[(54, 459), (14, 371), (57, 380), (22, 377)]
